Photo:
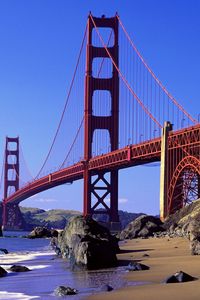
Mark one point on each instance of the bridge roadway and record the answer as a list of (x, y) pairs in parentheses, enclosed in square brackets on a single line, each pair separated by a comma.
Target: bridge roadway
[(132, 155)]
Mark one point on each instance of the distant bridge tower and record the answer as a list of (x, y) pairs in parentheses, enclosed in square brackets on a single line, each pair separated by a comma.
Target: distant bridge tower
[(105, 185), (12, 218)]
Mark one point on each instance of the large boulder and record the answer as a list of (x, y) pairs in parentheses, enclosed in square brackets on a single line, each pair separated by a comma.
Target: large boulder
[(42, 232), (17, 268), (144, 226), (88, 244)]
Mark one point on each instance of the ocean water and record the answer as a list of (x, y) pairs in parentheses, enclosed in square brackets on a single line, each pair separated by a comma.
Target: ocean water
[(48, 272)]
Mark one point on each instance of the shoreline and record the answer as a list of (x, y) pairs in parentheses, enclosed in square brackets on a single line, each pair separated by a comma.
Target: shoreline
[(166, 257)]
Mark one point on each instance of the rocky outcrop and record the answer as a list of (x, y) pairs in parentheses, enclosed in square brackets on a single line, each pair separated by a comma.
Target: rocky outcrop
[(186, 223), (87, 244), (180, 219), (42, 232), (144, 226)]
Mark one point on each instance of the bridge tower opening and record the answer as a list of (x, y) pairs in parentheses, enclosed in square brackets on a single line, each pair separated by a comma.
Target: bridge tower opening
[(103, 187), (12, 217)]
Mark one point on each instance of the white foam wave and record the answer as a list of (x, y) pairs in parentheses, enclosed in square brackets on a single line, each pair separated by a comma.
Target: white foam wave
[(8, 295)]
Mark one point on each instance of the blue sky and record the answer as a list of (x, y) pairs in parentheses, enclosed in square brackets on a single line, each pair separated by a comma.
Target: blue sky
[(39, 44)]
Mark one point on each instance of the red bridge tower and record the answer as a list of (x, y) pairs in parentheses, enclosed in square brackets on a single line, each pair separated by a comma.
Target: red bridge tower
[(105, 185), (12, 218)]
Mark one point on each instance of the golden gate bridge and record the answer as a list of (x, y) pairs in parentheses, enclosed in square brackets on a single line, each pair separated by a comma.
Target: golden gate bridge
[(117, 115)]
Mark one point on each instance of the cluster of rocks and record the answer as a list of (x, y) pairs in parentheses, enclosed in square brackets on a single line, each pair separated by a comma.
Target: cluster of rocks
[(87, 244), (142, 227)]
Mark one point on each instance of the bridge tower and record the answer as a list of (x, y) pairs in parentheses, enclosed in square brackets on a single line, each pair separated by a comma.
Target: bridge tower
[(12, 218), (105, 185)]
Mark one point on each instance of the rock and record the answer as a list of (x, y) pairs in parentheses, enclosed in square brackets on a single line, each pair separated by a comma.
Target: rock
[(42, 232), (134, 266), (179, 277), (64, 291), (183, 277), (145, 255), (144, 226), (88, 244), (5, 251), (106, 288), (171, 279), (16, 268), (2, 272)]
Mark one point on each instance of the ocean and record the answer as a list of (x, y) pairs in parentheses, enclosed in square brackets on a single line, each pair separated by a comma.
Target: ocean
[(47, 271)]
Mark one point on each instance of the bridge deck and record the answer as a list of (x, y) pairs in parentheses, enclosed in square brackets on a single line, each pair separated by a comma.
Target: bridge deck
[(131, 155)]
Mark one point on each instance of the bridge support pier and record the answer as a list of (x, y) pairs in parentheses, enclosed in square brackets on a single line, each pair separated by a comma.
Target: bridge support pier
[(12, 217), (163, 170)]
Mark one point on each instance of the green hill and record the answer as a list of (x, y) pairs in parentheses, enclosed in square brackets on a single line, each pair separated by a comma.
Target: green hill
[(58, 218), (54, 218)]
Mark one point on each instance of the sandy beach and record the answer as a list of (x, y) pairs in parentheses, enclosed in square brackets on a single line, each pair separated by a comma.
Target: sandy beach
[(166, 256)]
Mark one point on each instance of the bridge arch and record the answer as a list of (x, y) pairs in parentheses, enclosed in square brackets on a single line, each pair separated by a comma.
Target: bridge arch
[(176, 185)]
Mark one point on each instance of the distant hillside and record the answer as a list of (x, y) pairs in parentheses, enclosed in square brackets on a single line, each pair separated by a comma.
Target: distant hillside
[(58, 218), (54, 218)]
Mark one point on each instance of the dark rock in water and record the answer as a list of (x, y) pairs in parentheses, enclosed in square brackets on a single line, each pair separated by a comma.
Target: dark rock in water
[(64, 291), (2, 272), (88, 244), (134, 266), (106, 288), (16, 268), (5, 251), (144, 226), (179, 277), (42, 232), (145, 255)]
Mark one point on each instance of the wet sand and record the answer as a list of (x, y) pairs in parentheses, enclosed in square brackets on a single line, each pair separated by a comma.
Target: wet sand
[(166, 256)]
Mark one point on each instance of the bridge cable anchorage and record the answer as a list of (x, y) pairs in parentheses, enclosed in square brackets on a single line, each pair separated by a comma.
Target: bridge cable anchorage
[(65, 106), (124, 79), (155, 77)]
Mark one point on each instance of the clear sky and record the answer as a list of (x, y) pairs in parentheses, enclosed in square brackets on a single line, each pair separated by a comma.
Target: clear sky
[(39, 43)]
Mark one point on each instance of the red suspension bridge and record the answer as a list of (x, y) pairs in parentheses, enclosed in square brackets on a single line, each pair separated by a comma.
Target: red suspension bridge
[(117, 114)]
